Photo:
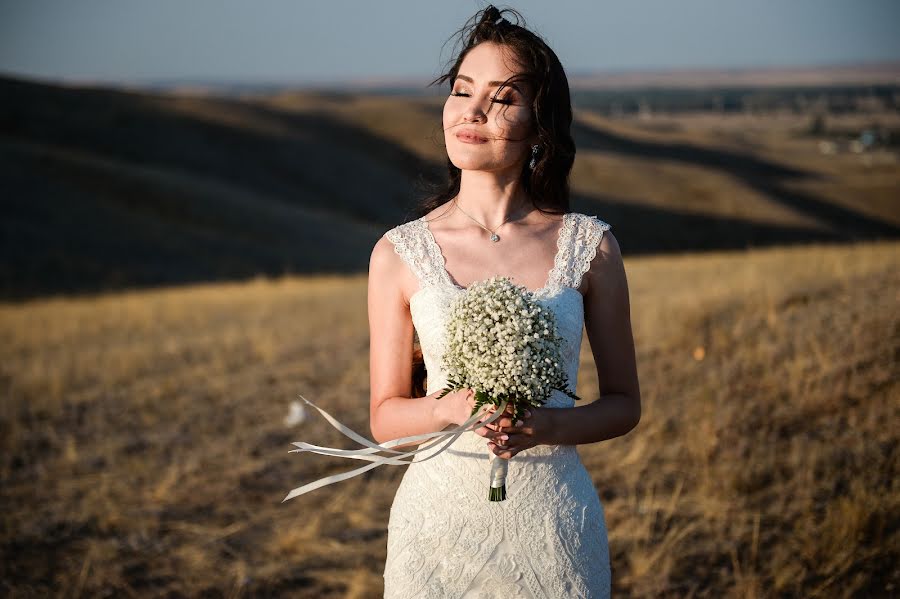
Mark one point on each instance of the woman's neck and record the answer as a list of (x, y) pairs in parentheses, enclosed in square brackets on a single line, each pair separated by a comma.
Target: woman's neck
[(492, 199)]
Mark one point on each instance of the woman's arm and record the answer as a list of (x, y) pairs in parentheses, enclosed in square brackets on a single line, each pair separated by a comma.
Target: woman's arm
[(607, 318), (392, 412), (618, 410)]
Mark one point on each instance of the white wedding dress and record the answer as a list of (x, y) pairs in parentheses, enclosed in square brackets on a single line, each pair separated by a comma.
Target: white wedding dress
[(548, 538)]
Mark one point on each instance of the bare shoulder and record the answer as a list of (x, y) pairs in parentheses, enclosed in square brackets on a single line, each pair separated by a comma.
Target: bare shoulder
[(608, 249), (384, 255), (388, 273), (607, 269), (385, 260)]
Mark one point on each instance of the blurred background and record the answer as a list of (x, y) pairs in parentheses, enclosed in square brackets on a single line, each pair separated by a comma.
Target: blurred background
[(191, 192)]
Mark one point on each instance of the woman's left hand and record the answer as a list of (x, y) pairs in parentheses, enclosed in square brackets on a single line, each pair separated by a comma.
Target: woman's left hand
[(534, 429)]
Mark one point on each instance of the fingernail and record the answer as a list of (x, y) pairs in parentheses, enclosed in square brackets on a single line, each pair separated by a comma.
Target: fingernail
[(519, 423), (504, 437)]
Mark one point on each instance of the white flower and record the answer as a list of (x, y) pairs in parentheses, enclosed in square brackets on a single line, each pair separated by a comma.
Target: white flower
[(500, 341)]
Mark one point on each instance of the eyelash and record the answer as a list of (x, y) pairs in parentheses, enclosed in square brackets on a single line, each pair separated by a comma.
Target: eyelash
[(498, 101)]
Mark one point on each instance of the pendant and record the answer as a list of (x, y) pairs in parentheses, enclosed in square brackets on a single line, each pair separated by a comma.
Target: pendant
[(495, 237)]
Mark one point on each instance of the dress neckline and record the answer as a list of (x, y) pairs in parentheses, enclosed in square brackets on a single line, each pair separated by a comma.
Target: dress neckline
[(561, 241)]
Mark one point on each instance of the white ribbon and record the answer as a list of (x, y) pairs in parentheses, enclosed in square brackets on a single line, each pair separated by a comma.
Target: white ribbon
[(366, 454)]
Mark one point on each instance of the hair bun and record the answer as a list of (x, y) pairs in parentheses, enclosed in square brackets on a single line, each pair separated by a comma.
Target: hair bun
[(491, 15), (490, 22)]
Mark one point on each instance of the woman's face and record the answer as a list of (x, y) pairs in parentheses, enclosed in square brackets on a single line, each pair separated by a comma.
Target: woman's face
[(488, 127)]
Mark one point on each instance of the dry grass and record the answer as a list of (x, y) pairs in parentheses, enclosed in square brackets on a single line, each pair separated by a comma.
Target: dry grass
[(144, 451), (764, 464)]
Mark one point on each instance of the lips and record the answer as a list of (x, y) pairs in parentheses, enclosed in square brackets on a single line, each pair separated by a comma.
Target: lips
[(470, 137)]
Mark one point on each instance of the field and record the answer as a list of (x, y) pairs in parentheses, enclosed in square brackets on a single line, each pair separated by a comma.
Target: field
[(162, 303), (144, 450)]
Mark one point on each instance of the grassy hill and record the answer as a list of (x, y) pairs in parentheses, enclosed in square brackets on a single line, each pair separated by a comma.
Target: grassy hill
[(109, 189), (144, 451)]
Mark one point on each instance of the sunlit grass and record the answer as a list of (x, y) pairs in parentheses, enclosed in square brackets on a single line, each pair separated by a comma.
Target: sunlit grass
[(144, 450)]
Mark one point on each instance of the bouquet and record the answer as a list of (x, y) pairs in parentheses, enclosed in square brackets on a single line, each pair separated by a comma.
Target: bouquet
[(502, 344), (505, 346)]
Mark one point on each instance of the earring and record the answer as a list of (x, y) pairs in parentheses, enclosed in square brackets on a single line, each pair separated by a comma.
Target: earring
[(534, 153)]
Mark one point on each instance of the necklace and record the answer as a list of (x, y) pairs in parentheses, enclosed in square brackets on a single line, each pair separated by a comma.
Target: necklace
[(494, 237)]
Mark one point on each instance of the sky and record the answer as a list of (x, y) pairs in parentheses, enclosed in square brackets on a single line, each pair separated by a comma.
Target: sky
[(299, 41)]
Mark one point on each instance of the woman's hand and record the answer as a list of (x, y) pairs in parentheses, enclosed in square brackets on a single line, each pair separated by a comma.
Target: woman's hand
[(507, 438), (455, 407)]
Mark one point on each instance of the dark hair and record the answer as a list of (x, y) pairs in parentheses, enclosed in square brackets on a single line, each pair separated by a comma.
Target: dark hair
[(547, 185), (419, 374)]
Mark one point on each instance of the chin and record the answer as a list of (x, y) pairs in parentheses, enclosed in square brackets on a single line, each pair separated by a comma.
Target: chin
[(474, 163), (481, 166)]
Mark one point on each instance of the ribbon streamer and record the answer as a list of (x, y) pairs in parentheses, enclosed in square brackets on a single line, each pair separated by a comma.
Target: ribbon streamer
[(372, 448)]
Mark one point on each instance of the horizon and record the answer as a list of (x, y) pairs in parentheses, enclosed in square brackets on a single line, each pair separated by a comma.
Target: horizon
[(132, 42), (888, 73)]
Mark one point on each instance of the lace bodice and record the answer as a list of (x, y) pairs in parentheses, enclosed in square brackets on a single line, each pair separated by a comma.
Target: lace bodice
[(577, 242), (548, 539)]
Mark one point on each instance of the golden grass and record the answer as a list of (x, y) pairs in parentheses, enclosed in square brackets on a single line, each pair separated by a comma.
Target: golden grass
[(144, 451), (763, 464)]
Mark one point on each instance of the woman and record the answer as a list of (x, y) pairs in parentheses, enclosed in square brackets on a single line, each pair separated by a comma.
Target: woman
[(505, 212)]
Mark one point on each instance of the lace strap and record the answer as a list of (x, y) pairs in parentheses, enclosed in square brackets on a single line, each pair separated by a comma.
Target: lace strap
[(586, 237), (411, 244)]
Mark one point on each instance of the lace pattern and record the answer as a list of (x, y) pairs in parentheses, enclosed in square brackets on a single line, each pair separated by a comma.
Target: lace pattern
[(586, 238), (548, 539), (421, 257), (577, 242)]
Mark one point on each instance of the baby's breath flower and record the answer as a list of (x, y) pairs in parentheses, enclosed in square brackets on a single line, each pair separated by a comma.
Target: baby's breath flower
[(504, 345)]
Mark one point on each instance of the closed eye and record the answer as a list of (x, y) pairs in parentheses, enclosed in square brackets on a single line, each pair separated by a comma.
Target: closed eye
[(497, 100)]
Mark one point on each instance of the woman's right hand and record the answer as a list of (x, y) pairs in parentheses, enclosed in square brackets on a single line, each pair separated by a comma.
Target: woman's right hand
[(457, 406)]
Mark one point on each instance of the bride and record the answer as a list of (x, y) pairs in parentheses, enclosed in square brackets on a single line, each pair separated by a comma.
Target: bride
[(505, 211)]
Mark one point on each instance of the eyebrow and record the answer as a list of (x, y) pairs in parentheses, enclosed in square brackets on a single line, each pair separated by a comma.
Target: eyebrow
[(497, 83)]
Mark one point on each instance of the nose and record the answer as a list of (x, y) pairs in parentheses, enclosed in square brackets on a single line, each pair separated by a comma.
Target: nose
[(474, 113)]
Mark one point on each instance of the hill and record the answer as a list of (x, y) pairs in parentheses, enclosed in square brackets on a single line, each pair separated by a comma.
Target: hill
[(109, 189)]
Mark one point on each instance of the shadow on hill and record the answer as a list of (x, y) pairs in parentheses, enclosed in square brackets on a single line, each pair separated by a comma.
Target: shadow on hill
[(305, 158), (107, 190), (638, 229), (764, 176)]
